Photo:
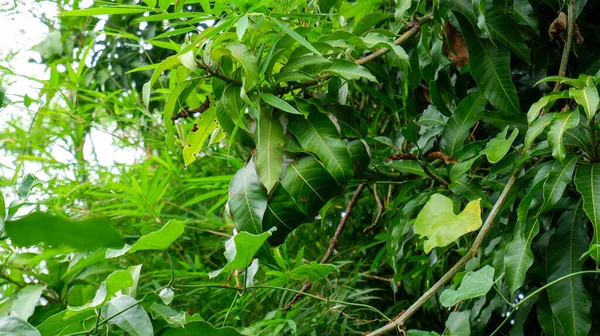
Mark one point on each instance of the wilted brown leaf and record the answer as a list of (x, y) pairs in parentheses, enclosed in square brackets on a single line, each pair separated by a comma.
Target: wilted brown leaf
[(455, 47)]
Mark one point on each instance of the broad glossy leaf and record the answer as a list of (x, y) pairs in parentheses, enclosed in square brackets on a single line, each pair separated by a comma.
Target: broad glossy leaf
[(518, 256), (312, 272), (569, 299), (203, 127), (279, 103), (108, 10), (247, 200), (242, 25), (373, 40), (309, 184), (317, 134), (26, 301), (536, 108), (458, 323), (284, 214), (39, 227), (240, 249), (133, 320), (60, 324), (524, 14), (587, 181), (466, 115), (490, 67), (588, 99), (473, 284), (116, 281), (560, 123), (156, 240), (295, 36), (497, 147), (345, 69), (359, 153), (199, 328), (14, 326), (269, 150), (560, 176), (302, 61), (546, 318), (249, 62), (502, 29), (441, 226), (579, 137), (470, 189), (166, 64), (537, 128)]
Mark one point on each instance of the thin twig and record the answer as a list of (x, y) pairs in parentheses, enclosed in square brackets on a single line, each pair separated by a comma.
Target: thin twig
[(562, 70), (489, 221), (432, 175), (379, 211), (333, 243), (218, 74)]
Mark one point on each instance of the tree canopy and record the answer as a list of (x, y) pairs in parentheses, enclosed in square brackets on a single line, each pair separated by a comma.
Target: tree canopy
[(316, 167)]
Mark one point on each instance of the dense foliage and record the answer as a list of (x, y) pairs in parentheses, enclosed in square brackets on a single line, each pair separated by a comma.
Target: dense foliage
[(322, 167)]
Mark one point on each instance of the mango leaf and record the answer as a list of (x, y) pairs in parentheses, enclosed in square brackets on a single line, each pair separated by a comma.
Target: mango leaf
[(588, 99), (39, 227), (247, 200), (470, 189), (108, 10), (242, 25), (548, 321), (283, 213), (497, 147), (295, 36), (133, 320), (458, 323), (12, 325), (438, 223), (26, 301), (116, 281), (524, 14), (269, 151), (240, 249), (312, 272), (249, 62), (474, 284), (171, 104), (466, 115), (298, 63), (587, 180), (536, 128), (60, 324), (502, 29), (157, 240), (317, 134), (310, 185), (279, 103), (518, 256), (536, 108), (560, 123), (373, 40), (569, 299), (204, 125), (199, 328), (490, 67), (345, 69), (28, 182), (560, 176)]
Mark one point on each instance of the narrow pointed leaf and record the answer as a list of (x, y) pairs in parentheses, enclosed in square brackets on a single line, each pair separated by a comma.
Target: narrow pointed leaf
[(588, 99), (467, 114), (247, 200), (269, 151), (157, 240), (537, 128), (203, 127), (536, 108), (279, 103), (240, 249), (560, 176), (249, 62), (561, 123), (295, 36), (474, 284), (502, 29), (284, 214), (345, 69), (587, 181), (518, 256)]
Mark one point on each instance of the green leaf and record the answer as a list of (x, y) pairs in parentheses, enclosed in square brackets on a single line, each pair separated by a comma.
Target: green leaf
[(466, 115), (132, 320), (59, 323), (587, 181), (269, 151), (470, 189), (497, 147), (560, 123), (345, 69), (28, 182), (490, 67), (2, 209), (242, 25), (240, 249), (317, 134), (569, 299), (156, 240), (536, 128), (310, 185), (560, 176), (14, 326), (546, 318), (502, 29), (247, 200), (518, 256), (249, 62), (536, 108), (146, 94), (279, 103), (166, 64), (284, 214), (291, 76), (312, 272), (588, 99), (112, 10), (203, 127), (39, 227), (474, 284), (171, 104), (374, 40), (26, 301), (524, 14), (199, 328), (116, 281), (295, 36), (438, 223), (458, 323), (303, 61)]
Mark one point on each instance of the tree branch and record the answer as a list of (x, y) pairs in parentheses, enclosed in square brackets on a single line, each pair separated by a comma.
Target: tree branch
[(489, 221), (562, 71), (333, 243), (220, 75)]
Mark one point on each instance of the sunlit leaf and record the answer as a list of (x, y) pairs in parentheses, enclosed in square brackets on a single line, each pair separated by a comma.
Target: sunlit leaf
[(157, 240), (559, 125), (588, 99), (203, 127), (12, 325), (269, 151), (116, 281), (133, 320), (497, 147), (279, 103), (240, 249), (249, 62), (473, 284)]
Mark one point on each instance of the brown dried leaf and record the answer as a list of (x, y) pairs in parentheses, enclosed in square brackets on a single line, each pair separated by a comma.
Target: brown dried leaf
[(558, 29), (455, 47)]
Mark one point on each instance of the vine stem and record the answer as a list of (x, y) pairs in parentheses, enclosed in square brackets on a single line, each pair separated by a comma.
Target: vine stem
[(489, 221), (333, 243)]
